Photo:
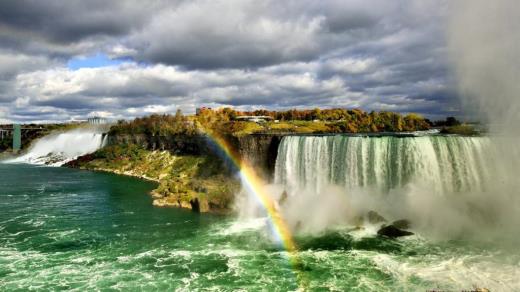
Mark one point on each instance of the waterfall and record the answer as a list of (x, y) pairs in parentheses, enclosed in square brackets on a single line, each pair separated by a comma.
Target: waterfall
[(59, 148), (445, 184), (445, 164)]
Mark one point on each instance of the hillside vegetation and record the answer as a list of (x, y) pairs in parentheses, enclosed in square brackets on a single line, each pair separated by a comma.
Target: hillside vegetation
[(311, 121), (222, 121), (194, 182)]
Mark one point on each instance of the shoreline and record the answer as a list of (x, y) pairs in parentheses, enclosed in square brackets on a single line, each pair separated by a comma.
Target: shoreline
[(178, 180), (117, 172)]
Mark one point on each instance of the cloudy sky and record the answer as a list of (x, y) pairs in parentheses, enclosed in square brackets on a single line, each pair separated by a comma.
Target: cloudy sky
[(63, 60)]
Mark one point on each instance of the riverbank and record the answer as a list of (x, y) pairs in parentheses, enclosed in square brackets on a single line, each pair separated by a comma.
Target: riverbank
[(199, 183)]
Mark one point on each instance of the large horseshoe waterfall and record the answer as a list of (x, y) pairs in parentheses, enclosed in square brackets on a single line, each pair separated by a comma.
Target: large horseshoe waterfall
[(444, 164)]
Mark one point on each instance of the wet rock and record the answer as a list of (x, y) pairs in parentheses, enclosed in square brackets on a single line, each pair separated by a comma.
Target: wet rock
[(374, 217), (166, 202), (156, 195), (199, 205), (402, 224), (392, 231), (186, 205), (160, 203), (195, 205), (204, 206)]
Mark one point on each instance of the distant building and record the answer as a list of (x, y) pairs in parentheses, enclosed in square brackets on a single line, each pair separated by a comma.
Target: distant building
[(96, 121), (256, 119)]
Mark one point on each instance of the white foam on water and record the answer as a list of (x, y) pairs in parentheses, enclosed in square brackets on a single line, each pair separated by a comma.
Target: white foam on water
[(463, 272), (244, 226), (367, 230)]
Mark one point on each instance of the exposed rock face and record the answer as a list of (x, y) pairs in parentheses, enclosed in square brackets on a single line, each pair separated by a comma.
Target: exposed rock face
[(195, 205), (173, 202), (176, 144), (258, 149), (204, 206), (261, 151)]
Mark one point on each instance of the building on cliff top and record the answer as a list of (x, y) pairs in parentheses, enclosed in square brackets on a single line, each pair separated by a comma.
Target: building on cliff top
[(256, 119)]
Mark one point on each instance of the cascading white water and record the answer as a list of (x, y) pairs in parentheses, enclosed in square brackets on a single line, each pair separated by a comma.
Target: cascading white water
[(445, 184), (60, 148), (445, 164)]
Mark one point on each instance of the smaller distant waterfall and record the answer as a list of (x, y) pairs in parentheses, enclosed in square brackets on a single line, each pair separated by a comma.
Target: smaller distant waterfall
[(60, 148)]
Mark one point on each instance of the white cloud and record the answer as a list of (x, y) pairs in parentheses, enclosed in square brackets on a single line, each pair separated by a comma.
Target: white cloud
[(248, 54)]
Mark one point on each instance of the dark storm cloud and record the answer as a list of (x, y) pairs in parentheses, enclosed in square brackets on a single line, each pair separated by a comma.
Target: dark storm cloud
[(72, 20), (62, 29), (70, 103), (251, 34)]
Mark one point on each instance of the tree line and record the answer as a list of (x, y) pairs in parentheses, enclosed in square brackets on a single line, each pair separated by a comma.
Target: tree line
[(338, 119), (335, 120)]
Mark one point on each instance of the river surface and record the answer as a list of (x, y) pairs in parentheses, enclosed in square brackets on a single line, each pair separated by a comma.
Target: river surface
[(79, 230)]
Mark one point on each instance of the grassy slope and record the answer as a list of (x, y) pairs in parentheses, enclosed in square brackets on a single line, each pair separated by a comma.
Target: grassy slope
[(181, 178), (246, 128), (462, 129)]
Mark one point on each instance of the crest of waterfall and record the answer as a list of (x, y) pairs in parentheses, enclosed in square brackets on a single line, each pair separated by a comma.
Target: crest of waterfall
[(59, 148), (444, 164)]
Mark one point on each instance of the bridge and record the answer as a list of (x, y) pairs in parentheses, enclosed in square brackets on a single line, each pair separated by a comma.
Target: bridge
[(15, 133)]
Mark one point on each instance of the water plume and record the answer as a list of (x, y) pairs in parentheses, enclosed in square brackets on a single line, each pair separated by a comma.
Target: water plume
[(484, 42)]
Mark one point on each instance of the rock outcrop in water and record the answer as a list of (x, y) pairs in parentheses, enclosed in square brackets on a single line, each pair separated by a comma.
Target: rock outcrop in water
[(393, 232), (395, 229)]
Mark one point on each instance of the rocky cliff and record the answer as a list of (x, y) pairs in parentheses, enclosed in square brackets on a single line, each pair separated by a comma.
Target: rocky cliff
[(176, 144), (258, 149)]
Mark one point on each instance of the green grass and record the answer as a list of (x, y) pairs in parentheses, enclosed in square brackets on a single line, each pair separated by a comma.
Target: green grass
[(181, 178), (463, 129)]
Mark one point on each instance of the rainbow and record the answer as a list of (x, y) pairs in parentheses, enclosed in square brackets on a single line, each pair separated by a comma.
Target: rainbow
[(256, 186)]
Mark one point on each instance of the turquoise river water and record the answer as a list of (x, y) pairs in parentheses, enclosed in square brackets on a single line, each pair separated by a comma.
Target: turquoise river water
[(64, 229)]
